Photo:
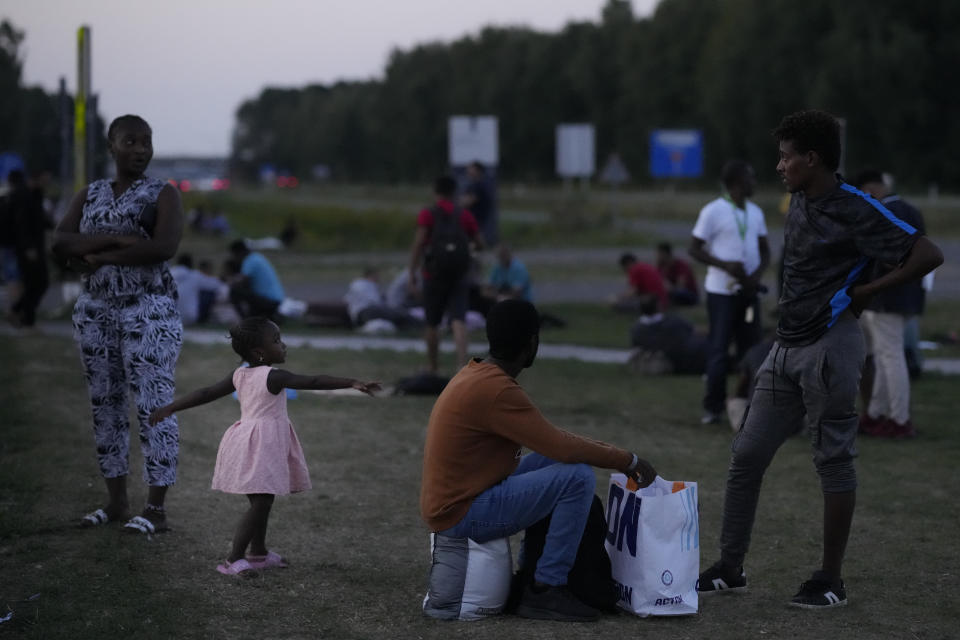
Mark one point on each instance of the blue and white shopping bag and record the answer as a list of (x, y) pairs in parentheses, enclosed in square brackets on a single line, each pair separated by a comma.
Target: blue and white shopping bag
[(653, 540)]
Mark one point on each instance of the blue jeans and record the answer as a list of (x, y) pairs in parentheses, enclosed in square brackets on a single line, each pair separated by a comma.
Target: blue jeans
[(540, 486), (727, 315)]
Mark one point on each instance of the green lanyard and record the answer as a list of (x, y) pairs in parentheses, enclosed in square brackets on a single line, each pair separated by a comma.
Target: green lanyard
[(741, 223)]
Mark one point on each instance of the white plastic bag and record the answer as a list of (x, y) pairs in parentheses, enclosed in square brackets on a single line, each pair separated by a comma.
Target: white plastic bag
[(653, 540), (291, 308)]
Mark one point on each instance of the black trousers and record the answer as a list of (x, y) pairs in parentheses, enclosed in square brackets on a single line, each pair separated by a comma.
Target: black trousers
[(247, 304), (35, 279)]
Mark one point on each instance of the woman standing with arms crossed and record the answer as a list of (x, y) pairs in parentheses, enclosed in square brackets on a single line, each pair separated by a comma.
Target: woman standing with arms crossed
[(119, 233)]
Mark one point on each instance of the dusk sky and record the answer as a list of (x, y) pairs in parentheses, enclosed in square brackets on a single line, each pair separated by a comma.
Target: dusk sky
[(186, 65)]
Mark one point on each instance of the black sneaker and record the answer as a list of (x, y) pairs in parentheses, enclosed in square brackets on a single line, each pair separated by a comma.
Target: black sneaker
[(819, 592), (720, 578), (555, 603)]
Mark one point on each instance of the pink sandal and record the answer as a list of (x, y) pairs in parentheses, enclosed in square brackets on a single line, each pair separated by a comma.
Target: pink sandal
[(238, 568), (270, 561)]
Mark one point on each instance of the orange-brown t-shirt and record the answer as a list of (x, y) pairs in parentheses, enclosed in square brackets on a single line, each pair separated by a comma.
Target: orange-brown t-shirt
[(476, 430)]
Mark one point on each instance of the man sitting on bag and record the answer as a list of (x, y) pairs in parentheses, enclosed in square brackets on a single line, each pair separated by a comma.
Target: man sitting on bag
[(477, 485)]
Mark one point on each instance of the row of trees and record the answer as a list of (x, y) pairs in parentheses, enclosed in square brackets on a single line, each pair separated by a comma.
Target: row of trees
[(30, 117), (731, 68)]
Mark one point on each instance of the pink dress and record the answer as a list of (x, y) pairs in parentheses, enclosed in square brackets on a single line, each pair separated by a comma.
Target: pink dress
[(260, 453)]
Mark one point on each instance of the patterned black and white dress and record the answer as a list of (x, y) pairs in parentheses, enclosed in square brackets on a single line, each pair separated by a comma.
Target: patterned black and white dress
[(129, 333)]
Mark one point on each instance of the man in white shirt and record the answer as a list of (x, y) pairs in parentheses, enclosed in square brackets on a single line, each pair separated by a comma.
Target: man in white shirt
[(730, 237), (365, 302), (192, 284), (399, 294)]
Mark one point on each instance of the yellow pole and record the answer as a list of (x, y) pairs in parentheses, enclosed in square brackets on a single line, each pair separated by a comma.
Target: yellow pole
[(80, 109)]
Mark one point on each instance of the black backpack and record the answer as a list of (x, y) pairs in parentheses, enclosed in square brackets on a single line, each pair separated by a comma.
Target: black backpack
[(421, 384), (590, 578), (448, 250)]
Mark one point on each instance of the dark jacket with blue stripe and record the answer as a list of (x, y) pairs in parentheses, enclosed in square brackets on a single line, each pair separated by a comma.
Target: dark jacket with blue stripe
[(830, 244), (906, 299)]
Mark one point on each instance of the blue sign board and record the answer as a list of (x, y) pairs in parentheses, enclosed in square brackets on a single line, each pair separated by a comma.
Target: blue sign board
[(676, 153)]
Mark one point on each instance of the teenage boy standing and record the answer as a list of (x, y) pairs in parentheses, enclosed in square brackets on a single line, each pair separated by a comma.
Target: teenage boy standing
[(832, 234)]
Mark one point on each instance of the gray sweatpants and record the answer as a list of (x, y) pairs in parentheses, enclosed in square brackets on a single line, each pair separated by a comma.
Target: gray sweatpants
[(814, 386)]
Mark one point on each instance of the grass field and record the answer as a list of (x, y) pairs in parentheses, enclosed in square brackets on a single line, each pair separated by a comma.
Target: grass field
[(357, 547), (358, 550), (368, 218)]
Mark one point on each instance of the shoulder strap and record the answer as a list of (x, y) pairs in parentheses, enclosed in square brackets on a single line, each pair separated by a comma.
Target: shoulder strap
[(442, 217), (437, 210)]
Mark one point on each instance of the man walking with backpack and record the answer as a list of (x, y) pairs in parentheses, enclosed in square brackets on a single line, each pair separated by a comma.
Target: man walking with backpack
[(442, 246)]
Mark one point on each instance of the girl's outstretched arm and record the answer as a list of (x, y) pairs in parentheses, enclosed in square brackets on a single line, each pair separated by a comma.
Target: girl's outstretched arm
[(279, 379), (194, 399)]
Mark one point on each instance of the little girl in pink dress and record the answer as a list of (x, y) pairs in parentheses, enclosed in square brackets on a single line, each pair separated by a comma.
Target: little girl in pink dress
[(259, 455)]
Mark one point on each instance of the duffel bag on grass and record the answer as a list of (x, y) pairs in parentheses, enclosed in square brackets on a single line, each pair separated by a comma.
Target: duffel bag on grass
[(468, 580)]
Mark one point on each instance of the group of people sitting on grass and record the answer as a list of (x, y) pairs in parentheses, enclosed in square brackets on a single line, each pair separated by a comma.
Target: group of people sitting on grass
[(400, 305), (247, 284), (664, 340)]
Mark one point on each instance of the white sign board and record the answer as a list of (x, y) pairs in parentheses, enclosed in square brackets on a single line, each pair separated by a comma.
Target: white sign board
[(575, 150), (473, 138)]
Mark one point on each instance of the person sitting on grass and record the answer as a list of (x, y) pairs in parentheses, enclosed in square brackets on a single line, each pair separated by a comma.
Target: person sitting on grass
[(256, 289), (259, 455), (644, 281), (508, 278), (365, 302), (677, 276), (475, 482), (197, 290), (666, 343)]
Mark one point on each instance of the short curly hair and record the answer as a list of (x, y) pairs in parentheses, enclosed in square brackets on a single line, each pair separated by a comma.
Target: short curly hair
[(510, 325), (734, 171), (812, 130)]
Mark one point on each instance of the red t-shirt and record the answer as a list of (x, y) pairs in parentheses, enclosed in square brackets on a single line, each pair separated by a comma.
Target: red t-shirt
[(680, 275), (467, 221), (645, 278)]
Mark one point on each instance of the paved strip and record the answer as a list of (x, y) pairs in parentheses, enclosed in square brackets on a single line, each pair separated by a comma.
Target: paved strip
[(356, 343), (548, 351)]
